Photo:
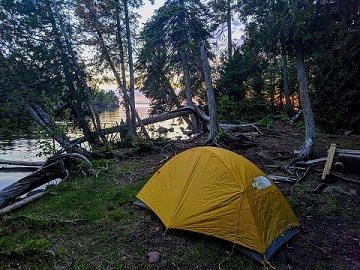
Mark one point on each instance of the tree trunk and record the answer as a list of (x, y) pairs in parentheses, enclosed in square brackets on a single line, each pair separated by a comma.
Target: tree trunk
[(122, 61), (229, 29), (44, 121), (80, 75), (32, 181), (70, 80), (307, 148), (214, 124), (131, 68), (288, 105), (106, 54)]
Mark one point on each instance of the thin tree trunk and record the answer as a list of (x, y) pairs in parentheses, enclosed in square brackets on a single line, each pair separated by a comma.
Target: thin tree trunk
[(285, 73), (229, 28), (69, 78), (185, 64), (81, 76), (131, 68), (306, 150), (187, 82), (214, 124), (122, 61), (106, 53)]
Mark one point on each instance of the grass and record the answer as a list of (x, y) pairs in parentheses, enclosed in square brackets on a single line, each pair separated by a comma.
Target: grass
[(89, 222)]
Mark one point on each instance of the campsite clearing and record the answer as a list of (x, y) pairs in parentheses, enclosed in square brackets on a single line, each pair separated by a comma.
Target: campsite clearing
[(91, 223)]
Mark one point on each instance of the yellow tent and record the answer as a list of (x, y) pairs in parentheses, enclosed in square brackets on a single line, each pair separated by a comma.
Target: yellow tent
[(220, 193)]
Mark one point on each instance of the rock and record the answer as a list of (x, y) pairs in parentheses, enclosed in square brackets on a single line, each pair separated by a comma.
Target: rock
[(154, 256)]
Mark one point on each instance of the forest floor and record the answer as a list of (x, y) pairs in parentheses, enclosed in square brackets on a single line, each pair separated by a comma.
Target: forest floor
[(89, 222)]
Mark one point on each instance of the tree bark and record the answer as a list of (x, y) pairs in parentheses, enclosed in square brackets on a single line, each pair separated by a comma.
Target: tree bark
[(131, 130), (122, 61), (214, 124), (307, 148), (229, 28)]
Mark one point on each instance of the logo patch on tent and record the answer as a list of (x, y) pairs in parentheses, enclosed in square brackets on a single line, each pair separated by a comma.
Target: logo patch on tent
[(261, 182)]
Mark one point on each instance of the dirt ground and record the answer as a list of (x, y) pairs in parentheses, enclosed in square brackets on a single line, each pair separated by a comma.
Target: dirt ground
[(330, 218)]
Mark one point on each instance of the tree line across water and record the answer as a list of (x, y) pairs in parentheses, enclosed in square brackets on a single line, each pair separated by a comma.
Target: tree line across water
[(295, 54)]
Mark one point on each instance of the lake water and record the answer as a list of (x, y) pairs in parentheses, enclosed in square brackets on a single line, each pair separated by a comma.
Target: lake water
[(28, 148)]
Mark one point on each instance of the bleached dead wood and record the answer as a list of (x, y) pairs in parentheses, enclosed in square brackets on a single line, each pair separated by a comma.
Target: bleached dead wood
[(32, 181), (296, 118), (348, 151), (21, 203), (232, 127), (22, 162), (280, 178), (329, 161), (311, 162)]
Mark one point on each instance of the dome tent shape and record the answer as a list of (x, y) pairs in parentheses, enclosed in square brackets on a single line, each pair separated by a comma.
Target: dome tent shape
[(217, 192)]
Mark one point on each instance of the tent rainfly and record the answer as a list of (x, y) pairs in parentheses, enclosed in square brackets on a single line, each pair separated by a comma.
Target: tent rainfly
[(217, 192)]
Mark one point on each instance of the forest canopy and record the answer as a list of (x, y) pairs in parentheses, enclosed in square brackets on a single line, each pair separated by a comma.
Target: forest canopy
[(43, 59)]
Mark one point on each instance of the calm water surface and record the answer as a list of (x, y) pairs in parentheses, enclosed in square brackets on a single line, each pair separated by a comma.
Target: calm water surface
[(28, 149)]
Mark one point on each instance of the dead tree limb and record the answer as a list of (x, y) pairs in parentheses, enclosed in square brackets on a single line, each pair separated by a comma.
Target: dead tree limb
[(21, 203), (32, 181), (22, 163)]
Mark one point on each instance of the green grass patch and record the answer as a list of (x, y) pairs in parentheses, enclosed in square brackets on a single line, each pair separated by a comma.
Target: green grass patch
[(10, 247)]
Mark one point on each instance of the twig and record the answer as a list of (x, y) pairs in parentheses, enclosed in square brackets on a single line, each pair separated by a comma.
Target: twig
[(320, 248), (318, 188), (302, 177), (102, 169)]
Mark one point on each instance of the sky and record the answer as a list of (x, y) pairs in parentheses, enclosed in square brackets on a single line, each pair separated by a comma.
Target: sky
[(147, 10)]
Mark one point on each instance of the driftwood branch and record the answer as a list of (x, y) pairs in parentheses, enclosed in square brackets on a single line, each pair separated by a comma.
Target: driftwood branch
[(32, 181), (22, 163), (21, 203)]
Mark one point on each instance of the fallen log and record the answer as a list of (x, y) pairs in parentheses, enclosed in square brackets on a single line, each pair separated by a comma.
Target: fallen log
[(311, 162), (296, 118), (21, 203), (338, 166), (348, 151), (351, 159), (19, 169), (233, 127), (22, 163), (32, 181), (182, 112), (280, 178)]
